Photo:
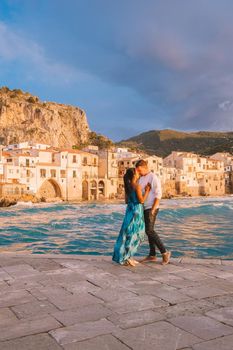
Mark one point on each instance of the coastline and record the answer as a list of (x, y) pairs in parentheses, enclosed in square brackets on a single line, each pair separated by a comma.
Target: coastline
[(8, 201)]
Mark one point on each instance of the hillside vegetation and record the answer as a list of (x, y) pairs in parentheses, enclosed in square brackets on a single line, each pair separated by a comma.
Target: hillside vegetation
[(163, 142)]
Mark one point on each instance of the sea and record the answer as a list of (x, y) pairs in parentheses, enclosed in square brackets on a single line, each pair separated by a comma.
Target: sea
[(195, 227)]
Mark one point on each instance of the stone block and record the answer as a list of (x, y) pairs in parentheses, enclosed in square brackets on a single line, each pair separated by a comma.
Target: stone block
[(138, 303), (7, 317), (38, 342), (104, 342), (34, 309), (159, 335), (202, 292), (202, 326), (65, 300), (223, 343), (224, 315), (82, 331), (23, 328), (135, 319), (16, 297), (82, 314), (21, 270)]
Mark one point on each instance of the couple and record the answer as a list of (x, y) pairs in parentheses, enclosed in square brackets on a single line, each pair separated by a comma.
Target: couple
[(143, 193)]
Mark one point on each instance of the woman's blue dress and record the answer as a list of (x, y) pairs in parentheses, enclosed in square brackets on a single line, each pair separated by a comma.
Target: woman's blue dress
[(132, 231)]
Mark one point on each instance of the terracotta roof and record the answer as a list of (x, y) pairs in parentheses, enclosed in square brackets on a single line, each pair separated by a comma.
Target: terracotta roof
[(77, 151)]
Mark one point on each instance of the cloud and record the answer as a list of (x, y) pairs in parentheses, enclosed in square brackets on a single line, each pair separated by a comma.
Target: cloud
[(15, 47), (174, 58)]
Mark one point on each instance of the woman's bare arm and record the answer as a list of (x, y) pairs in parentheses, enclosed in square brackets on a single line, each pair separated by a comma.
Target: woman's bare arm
[(141, 197)]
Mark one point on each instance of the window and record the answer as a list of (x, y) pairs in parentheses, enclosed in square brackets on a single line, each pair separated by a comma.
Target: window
[(28, 173), (85, 161), (53, 157), (63, 173), (53, 173), (27, 163), (42, 173), (95, 161), (74, 159), (74, 173), (10, 171)]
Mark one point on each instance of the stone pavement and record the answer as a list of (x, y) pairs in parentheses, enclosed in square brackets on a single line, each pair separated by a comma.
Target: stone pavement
[(87, 302)]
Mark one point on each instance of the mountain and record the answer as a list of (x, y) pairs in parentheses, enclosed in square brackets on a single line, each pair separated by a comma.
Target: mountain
[(23, 117), (163, 142)]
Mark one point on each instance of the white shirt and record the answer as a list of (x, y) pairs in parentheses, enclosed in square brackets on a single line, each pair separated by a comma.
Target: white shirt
[(156, 190)]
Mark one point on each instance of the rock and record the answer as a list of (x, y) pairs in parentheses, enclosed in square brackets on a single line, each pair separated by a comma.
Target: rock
[(6, 202), (24, 117)]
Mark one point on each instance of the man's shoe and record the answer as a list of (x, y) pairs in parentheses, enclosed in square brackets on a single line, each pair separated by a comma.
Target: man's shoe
[(166, 258), (149, 258)]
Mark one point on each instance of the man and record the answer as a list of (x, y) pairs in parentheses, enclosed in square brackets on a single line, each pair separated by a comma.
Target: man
[(151, 209)]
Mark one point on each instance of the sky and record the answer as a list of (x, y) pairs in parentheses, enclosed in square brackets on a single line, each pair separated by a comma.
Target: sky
[(132, 65)]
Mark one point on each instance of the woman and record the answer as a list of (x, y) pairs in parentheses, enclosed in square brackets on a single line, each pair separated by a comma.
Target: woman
[(133, 227)]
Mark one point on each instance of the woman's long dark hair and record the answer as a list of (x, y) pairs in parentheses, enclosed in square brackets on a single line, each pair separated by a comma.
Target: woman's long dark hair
[(128, 177)]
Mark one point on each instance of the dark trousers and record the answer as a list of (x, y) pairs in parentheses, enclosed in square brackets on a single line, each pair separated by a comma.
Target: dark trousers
[(153, 237)]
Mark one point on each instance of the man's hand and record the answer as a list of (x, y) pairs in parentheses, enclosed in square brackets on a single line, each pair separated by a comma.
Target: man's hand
[(153, 211), (155, 206)]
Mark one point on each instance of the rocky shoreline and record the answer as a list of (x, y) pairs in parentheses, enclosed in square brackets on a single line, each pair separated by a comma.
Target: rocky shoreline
[(8, 201)]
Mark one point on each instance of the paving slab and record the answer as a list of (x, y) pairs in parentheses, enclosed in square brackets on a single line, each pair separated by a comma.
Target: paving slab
[(16, 297), (135, 319), (81, 287), (21, 270), (4, 276), (204, 291), (83, 314), (224, 343), (224, 315), (64, 300), (159, 335), (137, 303), (82, 331), (202, 326), (55, 301), (222, 300), (34, 309), (194, 307), (38, 342), (23, 328), (7, 317), (104, 342), (113, 294)]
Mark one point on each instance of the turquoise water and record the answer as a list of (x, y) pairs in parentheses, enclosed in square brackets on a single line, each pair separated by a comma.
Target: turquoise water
[(199, 227)]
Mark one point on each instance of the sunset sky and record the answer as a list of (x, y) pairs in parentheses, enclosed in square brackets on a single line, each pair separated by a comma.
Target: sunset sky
[(132, 65)]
